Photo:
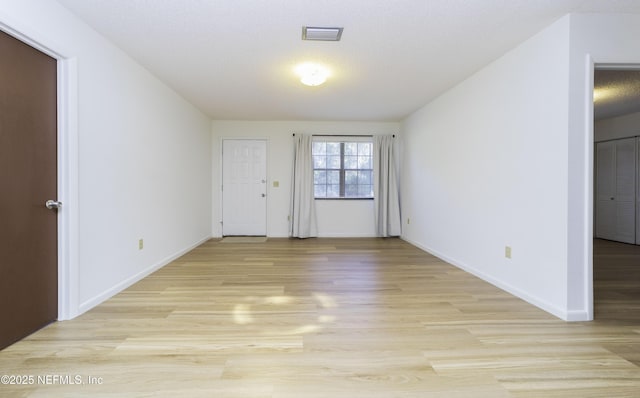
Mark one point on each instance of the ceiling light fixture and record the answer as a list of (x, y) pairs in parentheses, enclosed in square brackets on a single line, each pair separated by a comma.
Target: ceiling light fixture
[(312, 74), (321, 34)]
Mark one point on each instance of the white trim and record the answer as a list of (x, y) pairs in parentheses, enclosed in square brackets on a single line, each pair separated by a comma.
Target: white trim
[(112, 291), (67, 76), (346, 235), (217, 191), (589, 206), (612, 66), (542, 304), (577, 316), (591, 65), (68, 216)]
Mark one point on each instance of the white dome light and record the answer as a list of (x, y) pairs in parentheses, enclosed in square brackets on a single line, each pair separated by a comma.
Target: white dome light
[(312, 74)]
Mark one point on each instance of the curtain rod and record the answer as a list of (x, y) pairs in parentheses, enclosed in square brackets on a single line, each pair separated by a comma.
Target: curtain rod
[(341, 135)]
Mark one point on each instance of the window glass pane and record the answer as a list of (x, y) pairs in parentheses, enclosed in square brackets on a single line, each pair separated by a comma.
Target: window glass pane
[(333, 177), (364, 148), (350, 148), (350, 177), (319, 148), (333, 162), (364, 162), (343, 167), (350, 162), (333, 148), (364, 177), (333, 191), (365, 191), (319, 177), (351, 191), (319, 162)]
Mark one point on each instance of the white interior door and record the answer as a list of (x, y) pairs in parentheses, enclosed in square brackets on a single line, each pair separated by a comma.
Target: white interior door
[(638, 191), (244, 187), (615, 190), (605, 190), (625, 198)]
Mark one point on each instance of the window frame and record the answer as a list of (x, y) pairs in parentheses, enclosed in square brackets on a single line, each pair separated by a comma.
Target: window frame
[(342, 140)]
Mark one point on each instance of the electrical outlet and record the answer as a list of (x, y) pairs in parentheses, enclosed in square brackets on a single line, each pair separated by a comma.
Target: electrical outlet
[(140, 244), (276, 184), (507, 251)]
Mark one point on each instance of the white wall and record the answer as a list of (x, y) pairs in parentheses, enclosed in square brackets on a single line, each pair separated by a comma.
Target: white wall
[(346, 218), (617, 127), (144, 158), (485, 166), (517, 168), (602, 39)]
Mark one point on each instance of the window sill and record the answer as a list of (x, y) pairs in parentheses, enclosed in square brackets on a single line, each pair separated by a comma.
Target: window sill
[(343, 198)]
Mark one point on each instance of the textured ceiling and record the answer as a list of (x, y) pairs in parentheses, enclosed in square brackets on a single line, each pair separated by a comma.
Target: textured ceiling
[(234, 59), (616, 92)]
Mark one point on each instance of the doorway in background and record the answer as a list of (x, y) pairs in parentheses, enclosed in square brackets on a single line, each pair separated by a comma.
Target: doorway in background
[(616, 197)]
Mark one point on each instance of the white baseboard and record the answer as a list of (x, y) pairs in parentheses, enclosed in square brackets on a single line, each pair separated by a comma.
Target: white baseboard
[(347, 235), (536, 301), (87, 305), (577, 316), (328, 235)]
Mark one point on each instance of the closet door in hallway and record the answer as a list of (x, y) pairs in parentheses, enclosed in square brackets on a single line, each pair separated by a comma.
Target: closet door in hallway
[(616, 190)]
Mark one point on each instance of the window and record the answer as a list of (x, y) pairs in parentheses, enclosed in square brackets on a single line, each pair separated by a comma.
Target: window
[(343, 169)]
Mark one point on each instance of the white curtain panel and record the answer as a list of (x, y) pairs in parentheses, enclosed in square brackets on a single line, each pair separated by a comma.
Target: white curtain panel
[(303, 209), (385, 187)]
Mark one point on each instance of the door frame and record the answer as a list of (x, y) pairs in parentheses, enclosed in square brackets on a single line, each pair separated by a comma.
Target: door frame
[(67, 112), (221, 176), (591, 64)]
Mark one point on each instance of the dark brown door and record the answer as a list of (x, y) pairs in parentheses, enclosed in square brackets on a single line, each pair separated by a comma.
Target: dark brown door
[(28, 230)]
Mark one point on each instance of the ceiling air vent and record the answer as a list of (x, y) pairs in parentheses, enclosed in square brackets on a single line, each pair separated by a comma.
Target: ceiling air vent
[(322, 34)]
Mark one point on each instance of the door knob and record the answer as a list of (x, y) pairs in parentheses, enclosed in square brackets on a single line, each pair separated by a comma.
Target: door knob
[(53, 204)]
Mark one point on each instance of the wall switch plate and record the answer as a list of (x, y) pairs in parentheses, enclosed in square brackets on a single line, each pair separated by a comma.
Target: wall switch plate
[(507, 251), (140, 244)]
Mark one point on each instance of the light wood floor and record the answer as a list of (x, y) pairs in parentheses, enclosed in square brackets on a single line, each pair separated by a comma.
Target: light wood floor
[(373, 318)]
